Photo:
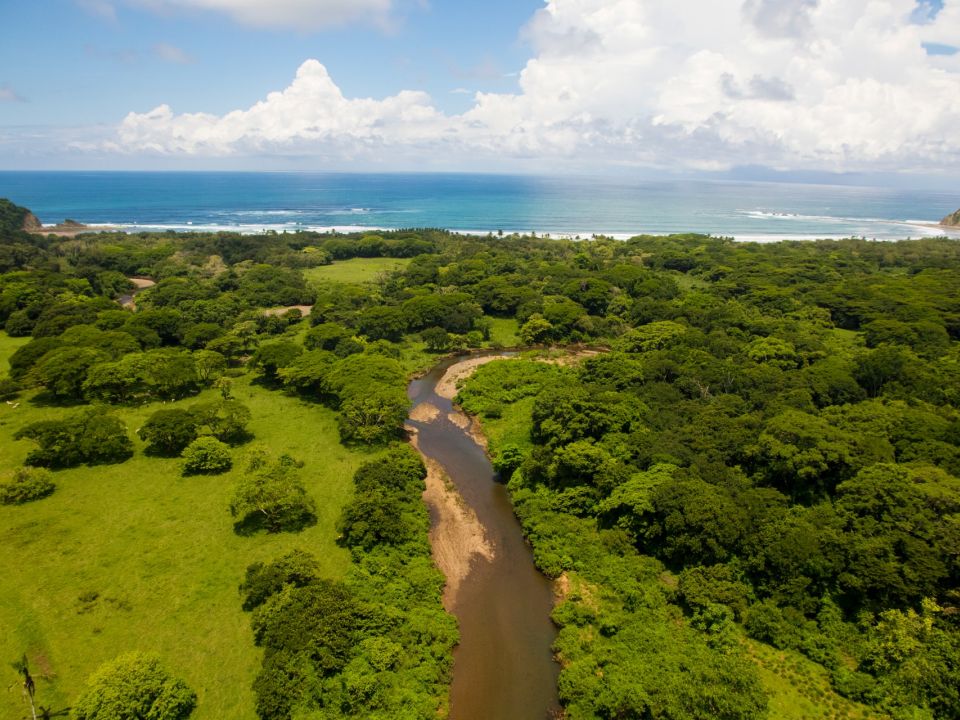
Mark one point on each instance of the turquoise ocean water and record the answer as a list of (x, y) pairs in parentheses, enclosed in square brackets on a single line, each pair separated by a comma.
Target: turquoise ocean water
[(253, 202)]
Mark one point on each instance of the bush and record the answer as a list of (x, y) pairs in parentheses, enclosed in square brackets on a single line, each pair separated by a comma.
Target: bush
[(27, 484), (9, 389), (206, 456), (135, 685)]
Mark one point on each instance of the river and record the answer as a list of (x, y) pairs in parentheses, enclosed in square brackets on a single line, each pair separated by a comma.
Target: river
[(504, 666)]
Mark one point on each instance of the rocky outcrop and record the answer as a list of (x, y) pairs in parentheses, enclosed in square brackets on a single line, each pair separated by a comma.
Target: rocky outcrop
[(951, 220), (31, 223)]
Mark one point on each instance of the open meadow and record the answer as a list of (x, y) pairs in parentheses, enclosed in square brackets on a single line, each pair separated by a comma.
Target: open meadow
[(135, 557), (355, 270)]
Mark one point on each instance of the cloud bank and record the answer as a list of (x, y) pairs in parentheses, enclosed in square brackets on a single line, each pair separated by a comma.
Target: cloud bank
[(840, 85)]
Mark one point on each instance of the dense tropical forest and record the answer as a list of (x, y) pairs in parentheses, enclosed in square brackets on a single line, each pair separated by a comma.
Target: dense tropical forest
[(748, 495)]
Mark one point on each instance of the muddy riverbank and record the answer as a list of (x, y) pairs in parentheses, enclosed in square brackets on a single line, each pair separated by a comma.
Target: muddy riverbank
[(504, 666)]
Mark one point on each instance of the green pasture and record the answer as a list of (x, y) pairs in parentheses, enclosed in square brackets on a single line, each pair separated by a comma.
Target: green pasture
[(355, 271), (134, 557)]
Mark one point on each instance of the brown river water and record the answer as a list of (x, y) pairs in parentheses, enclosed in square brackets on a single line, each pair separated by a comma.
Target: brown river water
[(503, 667)]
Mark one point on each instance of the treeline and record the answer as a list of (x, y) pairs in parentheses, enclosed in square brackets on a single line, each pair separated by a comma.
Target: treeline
[(376, 645), (781, 438)]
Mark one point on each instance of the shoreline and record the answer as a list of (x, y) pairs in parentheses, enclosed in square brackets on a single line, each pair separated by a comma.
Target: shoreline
[(926, 229)]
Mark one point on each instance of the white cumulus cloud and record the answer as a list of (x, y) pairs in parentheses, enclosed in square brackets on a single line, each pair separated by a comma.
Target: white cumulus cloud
[(792, 84)]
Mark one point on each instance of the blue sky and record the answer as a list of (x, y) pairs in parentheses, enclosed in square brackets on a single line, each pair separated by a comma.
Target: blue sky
[(73, 64), (803, 88)]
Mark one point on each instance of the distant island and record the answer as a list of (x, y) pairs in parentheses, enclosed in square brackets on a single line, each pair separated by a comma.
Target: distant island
[(951, 220)]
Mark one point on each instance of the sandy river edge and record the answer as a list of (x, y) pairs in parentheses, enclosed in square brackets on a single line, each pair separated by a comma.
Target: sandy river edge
[(457, 537)]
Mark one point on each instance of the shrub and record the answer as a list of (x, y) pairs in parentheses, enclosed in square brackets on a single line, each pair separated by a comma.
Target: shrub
[(9, 389), (27, 484), (206, 456), (134, 685)]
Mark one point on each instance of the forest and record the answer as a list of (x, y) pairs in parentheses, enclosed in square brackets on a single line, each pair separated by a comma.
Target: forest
[(749, 495)]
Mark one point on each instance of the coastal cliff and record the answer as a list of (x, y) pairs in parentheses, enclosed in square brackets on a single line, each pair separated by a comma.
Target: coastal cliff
[(31, 223), (951, 220)]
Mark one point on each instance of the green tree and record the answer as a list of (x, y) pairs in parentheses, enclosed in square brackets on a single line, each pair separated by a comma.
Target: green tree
[(206, 456), (436, 338), (271, 357), (373, 418), (135, 686), (226, 420), (168, 432), (325, 336), (382, 322), (91, 436), (373, 518), (271, 496), (536, 329), (296, 568), (63, 372)]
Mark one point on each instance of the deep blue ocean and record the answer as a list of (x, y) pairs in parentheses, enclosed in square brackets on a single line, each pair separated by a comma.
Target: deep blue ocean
[(253, 202)]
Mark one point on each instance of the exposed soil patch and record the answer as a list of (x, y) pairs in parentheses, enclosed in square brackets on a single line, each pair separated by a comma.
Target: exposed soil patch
[(456, 537), (304, 310)]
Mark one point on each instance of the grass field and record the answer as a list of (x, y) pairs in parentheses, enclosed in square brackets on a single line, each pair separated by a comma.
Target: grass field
[(799, 689), (134, 557), (355, 271), (503, 332)]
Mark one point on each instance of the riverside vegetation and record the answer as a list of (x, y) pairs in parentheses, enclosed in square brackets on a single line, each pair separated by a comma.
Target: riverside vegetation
[(751, 503)]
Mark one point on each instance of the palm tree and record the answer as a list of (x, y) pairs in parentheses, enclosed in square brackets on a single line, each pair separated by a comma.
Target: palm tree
[(28, 686)]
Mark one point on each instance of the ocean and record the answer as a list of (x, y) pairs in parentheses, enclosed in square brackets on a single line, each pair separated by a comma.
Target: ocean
[(567, 206)]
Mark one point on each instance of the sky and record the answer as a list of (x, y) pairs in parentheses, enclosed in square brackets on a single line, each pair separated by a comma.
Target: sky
[(745, 88)]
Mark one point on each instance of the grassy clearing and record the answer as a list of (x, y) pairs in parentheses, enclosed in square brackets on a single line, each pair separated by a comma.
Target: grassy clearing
[(355, 271), (133, 556), (512, 427), (799, 689), (503, 332)]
